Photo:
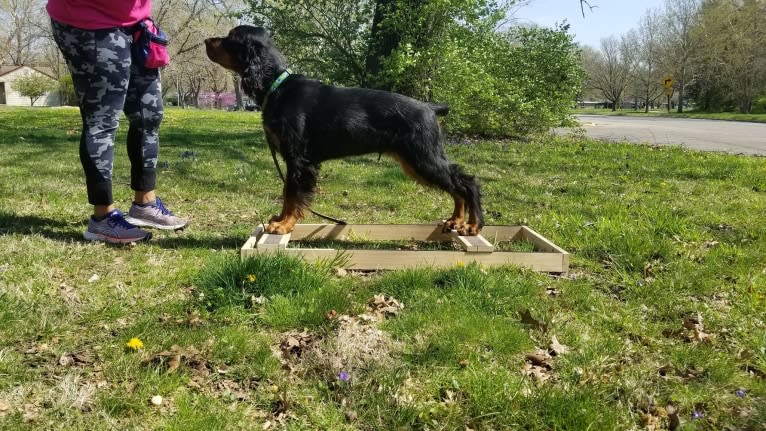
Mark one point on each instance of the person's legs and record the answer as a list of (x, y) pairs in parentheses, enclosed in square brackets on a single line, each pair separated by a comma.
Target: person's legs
[(99, 62), (143, 107)]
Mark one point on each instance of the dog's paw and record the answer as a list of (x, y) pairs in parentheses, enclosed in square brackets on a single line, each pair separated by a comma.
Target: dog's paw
[(468, 230), (451, 224), (276, 228), (275, 219)]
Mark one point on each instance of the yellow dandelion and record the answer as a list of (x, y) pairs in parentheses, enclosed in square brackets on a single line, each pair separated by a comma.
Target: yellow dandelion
[(135, 344), (460, 264), (251, 278)]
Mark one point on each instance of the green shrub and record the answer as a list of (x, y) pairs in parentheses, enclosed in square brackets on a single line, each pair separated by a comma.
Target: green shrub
[(509, 84), (759, 107)]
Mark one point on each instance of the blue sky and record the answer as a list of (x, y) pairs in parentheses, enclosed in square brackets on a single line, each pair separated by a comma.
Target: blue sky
[(610, 17)]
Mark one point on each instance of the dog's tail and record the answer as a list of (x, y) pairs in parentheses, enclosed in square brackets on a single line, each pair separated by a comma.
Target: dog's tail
[(439, 109)]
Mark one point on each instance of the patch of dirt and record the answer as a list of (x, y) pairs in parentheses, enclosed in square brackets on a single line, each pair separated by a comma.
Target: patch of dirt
[(205, 376), (188, 357), (691, 331), (356, 344)]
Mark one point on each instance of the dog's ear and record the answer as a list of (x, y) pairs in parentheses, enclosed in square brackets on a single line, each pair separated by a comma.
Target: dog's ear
[(252, 76)]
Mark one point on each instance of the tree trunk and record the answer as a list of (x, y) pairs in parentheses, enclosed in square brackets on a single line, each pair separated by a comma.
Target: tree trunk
[(680, 99), (681, 87), (646, 102), (179, 95), (238, 93), (383, 41), (745, 106)]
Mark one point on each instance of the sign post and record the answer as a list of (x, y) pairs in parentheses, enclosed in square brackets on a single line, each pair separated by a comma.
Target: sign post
[(667, 84)]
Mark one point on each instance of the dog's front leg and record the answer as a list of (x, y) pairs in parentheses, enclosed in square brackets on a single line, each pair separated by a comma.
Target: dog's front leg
[(458, 215), (297, 192), (285, 222)]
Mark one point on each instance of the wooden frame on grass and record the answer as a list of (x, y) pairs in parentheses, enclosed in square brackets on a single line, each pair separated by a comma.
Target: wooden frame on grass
[(546, 257)]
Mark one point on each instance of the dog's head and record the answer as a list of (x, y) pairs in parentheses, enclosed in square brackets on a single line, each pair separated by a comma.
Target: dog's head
[(250, 52)]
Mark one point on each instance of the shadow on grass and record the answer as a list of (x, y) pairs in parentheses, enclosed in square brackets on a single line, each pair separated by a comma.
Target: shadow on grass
[(233, 243), (71, 231), (58, 230)]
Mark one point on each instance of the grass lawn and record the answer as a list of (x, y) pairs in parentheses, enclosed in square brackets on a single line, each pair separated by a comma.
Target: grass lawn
[(659, 324), (728, 116)]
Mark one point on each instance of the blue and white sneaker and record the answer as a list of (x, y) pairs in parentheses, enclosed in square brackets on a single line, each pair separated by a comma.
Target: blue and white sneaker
[(154, 215), (114, 229)]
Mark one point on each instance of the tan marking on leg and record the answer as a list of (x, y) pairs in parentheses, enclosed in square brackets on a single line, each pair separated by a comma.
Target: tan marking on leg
[(408, 170), (472, 227), (285, 222), (458, 215)]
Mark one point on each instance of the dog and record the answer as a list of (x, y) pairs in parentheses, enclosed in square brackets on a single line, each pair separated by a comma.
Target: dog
[(308, 122)]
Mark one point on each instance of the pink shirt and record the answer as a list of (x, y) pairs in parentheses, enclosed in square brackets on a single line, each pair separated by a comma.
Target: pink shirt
[(99, 14)]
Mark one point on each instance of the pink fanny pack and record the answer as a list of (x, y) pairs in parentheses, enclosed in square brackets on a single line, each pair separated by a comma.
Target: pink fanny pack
[(150, 45)]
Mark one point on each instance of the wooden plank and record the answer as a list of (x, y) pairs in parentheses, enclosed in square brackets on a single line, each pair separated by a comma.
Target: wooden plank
[(548, 257), (393, 232), (545, 245), (373, 232), (565, 264), (392, 259), (268, 240), (493, 234), (475, 244), (540, 242), (249, 245)]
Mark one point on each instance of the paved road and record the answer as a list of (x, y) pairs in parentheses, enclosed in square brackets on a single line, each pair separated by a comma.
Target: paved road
[(706, 135)]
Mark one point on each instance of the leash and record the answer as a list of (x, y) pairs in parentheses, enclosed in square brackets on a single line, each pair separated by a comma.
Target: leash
[(282, 176)]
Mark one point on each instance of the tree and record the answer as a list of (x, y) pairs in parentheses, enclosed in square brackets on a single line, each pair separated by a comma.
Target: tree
[(733, 54), (21, 27), (680, 46), (35, 85), (610, 69), (647, 73), (326, 39), (187, 24), (422, 32)]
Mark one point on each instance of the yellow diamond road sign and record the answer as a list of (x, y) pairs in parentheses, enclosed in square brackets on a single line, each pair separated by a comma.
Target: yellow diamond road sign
[(667, 83)]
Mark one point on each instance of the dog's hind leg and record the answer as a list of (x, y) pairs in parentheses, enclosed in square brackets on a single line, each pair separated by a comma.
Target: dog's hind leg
[(469, 188), (440, 173)]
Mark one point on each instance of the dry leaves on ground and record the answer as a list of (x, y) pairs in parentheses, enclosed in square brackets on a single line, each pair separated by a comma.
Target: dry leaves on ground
[(528, 319)]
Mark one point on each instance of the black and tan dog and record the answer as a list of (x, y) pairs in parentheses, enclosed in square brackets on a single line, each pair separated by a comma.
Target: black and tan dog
[(308, 122)]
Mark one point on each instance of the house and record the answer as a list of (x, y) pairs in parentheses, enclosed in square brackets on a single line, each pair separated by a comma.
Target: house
[(9, 97), (592, 104)]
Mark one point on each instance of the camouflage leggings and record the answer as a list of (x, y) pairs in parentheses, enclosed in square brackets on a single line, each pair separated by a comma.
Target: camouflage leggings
[(107, 83)]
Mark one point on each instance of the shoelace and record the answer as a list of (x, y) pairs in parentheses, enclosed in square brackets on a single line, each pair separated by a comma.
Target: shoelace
[(116, 219), (162, 208)]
